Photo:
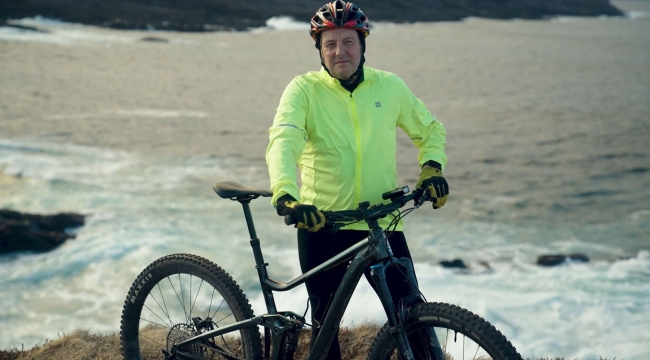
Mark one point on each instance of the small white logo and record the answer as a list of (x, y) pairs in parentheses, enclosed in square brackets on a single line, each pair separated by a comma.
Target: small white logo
[(377, 104)]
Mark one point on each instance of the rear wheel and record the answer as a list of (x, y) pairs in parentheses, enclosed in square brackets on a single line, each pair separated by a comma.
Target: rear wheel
[(178, 297), (461, 334)]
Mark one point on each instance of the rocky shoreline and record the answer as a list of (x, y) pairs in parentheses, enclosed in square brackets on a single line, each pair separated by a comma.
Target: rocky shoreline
[(33, 232), (229, 15)]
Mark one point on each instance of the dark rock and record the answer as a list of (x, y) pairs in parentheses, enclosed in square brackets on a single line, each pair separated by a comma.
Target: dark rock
[(553, 260), (154, 39), (454, 264), (210, 15), (58, 222), (38, 233), (26, 28)]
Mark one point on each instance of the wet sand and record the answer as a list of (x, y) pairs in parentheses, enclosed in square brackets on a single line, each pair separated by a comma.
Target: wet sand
[(522, 101)]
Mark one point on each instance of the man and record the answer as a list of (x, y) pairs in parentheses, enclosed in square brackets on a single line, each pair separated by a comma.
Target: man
[(339, 126)]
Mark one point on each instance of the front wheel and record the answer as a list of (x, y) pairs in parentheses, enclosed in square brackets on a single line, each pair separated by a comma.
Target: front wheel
[(460, 333), (178, 297)]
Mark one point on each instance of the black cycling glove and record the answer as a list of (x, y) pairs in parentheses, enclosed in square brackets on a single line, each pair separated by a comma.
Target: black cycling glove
[(307, 216), (431, 178)]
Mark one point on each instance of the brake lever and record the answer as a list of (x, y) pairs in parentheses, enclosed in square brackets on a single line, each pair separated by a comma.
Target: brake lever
[(422, 198), (330, 226)]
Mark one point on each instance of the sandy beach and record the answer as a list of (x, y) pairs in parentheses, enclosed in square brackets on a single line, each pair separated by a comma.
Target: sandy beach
[(503, 89)]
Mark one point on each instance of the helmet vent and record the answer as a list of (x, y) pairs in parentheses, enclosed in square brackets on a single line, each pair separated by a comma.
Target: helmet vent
[(339, 14)]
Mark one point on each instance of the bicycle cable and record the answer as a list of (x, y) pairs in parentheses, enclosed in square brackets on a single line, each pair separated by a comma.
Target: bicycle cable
[(396, 218), (307, 309)]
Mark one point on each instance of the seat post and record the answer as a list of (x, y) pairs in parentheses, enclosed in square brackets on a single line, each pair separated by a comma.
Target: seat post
[(260, 265), (255, 242), (249, 218)]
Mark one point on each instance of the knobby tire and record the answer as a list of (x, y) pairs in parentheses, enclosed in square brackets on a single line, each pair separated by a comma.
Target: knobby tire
[(168, 294), (449, 322)]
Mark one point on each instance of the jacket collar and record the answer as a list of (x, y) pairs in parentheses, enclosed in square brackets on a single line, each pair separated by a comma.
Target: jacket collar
[(367, 76)]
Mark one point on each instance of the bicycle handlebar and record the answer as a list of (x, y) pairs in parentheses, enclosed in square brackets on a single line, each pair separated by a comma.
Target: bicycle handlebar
[(399, 197)]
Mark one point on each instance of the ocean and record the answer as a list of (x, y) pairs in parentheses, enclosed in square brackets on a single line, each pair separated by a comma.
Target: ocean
[(140, 208)]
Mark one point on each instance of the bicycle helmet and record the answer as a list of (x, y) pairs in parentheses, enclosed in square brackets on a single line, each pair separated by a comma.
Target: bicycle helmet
[(339, 14)]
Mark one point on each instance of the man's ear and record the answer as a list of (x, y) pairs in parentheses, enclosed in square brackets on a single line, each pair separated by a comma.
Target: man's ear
[(318, 40), (362, 40)]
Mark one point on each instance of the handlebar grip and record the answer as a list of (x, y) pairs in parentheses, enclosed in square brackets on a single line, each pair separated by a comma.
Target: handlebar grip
[(289, 220)]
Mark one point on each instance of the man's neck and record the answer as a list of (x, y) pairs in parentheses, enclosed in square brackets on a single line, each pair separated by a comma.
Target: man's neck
[(353, 81)]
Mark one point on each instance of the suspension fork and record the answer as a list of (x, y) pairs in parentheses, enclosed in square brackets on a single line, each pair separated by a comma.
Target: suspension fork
[(378, 276), (397, 314)]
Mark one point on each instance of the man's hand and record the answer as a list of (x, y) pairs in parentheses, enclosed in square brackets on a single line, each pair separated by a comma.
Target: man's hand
[(431, 179), (307, 216)]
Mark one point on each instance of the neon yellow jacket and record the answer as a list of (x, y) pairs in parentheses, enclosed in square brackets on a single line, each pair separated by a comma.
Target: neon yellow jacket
[(345, 143)]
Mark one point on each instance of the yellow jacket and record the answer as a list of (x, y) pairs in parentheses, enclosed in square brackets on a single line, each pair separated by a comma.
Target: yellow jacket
[(345, 143)]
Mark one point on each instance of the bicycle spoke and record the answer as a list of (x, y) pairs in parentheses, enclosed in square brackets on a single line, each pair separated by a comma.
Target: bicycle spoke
[(161, 309), (179, 300), (163, 300), (459, 349), (154, 313), (215, 313), (477, 347), (446, 339), (180, 284), (150, 339), (210, 308), (189, 296), (154, 323), (196, 297), (220, 320)]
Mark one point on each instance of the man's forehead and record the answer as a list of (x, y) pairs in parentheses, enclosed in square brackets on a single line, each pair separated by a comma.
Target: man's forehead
[(339, 34)]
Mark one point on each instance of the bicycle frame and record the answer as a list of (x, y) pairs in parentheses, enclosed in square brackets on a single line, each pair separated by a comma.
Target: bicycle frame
[(372, 252)]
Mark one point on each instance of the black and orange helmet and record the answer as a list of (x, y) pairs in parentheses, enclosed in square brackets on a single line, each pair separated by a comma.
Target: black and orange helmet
[(339, 14)]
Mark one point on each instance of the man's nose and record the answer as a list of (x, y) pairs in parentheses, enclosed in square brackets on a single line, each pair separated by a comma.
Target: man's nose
[(339, 49)]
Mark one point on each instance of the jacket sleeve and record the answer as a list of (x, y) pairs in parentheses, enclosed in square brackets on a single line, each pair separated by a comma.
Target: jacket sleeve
[(287, 139), (426, 132)]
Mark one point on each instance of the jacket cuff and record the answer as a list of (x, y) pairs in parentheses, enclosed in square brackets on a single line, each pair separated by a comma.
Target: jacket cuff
[(432, 164), (279, 204)]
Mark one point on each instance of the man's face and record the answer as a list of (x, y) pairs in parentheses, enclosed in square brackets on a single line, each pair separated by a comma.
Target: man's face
[(341, 51)]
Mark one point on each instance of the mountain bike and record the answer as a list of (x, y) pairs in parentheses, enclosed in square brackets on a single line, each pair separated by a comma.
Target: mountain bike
[(183, 306)]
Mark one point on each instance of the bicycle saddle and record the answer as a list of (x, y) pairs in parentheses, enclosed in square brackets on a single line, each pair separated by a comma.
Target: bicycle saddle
[(233, 190)]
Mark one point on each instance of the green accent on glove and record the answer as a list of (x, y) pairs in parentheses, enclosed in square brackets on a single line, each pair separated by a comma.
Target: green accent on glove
[(307, 216), (431, 178)]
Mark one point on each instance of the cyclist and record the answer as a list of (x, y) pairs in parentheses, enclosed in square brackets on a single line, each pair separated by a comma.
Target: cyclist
[(339, 126)]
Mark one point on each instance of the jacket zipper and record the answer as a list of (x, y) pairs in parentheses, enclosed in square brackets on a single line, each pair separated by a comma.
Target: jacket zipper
[(357, 134)]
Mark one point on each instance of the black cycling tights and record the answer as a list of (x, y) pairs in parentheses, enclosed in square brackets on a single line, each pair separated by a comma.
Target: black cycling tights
[(316, 248)]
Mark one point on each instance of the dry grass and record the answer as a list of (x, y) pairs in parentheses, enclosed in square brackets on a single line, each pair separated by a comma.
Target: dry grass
[(76, 346), (82, 345)]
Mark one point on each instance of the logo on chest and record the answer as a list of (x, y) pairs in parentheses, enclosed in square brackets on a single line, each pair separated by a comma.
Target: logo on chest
[(377, 104)]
